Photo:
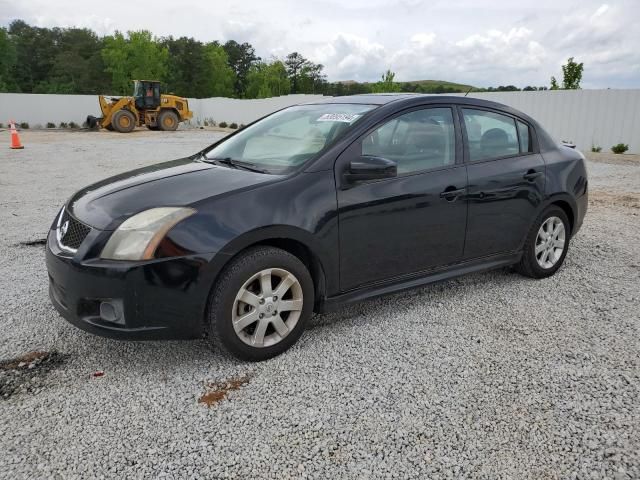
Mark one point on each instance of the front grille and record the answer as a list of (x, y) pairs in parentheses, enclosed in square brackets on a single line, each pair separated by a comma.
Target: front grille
[(75, 233)]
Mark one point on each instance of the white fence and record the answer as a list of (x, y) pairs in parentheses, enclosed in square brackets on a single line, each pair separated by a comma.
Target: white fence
[(586, 117), (40, 109)]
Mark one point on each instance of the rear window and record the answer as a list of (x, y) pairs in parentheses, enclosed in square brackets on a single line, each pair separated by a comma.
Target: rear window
[(490, 134), (524, 137)]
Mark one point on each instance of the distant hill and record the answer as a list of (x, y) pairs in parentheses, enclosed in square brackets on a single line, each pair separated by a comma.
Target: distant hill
[(435, 83), (350, 87)]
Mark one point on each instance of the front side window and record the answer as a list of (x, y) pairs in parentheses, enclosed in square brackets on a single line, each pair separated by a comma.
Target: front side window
[(490, 135), (419, 140), (285, 140)]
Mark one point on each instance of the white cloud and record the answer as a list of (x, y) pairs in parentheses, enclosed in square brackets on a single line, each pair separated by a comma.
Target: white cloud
[(423, 39), (514, 49), (350, 56)]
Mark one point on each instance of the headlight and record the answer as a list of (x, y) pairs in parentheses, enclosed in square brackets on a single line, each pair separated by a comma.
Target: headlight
[(138, 237)]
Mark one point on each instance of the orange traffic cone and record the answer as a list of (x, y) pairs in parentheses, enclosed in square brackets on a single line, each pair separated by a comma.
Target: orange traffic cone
[(15, 139)]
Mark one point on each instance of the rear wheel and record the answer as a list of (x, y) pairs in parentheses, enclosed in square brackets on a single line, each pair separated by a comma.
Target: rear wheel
[(168, 120), (546, 246), (123, 121), (261, 303)]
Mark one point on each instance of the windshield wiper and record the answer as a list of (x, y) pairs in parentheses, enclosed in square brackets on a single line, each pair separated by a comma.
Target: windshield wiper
[(234, 163)]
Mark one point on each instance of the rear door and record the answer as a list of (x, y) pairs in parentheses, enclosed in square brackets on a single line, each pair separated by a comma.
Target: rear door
[(412, 222), (506, 181)]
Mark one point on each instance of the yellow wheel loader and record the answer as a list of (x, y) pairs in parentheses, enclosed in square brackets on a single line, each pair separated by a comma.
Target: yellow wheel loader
[(146, 107)]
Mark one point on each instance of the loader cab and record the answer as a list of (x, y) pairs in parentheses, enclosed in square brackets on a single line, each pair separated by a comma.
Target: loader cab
[(146, 94)]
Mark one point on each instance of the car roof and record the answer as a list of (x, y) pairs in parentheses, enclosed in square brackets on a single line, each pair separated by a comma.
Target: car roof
[(369, 98), (385, 98)]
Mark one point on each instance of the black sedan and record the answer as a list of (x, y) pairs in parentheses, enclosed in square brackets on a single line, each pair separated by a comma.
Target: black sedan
[(311, 207)]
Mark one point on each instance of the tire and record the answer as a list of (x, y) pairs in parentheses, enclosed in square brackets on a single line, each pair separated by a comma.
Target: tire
[(92, 122), (156, 128), (533, 264), (168, 121), (123, 121), (226, 307)]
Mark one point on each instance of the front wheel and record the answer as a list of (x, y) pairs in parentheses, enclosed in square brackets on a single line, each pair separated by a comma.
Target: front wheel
[(168, 121), (261, 303), (546, 246), (123, 121)]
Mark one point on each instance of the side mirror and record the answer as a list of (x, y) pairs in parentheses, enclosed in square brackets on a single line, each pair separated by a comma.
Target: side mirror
[(370, 168)]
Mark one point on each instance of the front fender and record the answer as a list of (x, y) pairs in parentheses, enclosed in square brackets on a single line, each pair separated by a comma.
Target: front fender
[(300, 208)]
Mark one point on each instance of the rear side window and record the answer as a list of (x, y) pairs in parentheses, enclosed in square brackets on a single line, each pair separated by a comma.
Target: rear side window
[(524, 137), (418, 140), (490, 135)]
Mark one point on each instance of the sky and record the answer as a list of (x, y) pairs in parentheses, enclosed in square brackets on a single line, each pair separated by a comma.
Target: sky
[(477, 42)]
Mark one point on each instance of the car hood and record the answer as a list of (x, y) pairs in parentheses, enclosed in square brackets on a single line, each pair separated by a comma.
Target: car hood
[(184, 182)]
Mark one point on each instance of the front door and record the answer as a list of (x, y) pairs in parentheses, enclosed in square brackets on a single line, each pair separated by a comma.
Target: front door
[(412, 222), (506, 182)]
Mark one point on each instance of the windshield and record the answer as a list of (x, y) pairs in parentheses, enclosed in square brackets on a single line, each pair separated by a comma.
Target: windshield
[(137, 88), (288, 138)]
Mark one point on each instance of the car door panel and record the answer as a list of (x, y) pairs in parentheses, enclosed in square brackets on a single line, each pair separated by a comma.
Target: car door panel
[(402, 225), (502, 203), (399, 226)]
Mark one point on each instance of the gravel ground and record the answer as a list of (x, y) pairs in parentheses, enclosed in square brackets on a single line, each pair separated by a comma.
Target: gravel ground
[(487, 376)]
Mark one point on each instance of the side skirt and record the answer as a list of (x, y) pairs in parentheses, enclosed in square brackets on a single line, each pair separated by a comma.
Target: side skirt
[(419, 279)]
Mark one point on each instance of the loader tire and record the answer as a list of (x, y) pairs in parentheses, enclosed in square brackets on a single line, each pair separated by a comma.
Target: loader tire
[(168, 121), (123, 121)]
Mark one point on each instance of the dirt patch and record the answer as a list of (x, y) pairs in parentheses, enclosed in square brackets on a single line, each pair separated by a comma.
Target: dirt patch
[(26, 373), (217, 391), (614, 159), (627, 199), (40, 242)]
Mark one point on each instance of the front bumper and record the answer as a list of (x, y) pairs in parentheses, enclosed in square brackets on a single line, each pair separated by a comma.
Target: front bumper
[(160, 299)]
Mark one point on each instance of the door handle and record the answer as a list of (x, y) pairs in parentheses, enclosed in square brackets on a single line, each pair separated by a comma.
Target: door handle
[(531, 175), (451, 193)]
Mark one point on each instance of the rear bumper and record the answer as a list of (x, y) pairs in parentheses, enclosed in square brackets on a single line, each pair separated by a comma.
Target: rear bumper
[(163, 299)]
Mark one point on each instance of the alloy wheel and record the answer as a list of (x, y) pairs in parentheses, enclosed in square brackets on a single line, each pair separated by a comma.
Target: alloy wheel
[(550, 242), (267, 307)]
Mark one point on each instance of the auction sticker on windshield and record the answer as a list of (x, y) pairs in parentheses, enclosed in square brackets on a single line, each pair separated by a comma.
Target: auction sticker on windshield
[(338, 117)]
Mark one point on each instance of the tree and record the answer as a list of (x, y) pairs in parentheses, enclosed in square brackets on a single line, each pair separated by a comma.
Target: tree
[(386, 84), (7, 61), (77, 65), (220, 77), (35, 50), (138, 56), (240, 58), (188, 72), (572, 74), (503, 88), (311, 78), (267, 80), (304, 75), (294, 64)]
